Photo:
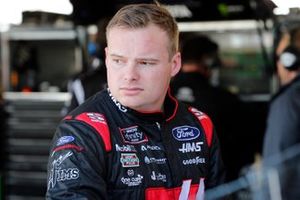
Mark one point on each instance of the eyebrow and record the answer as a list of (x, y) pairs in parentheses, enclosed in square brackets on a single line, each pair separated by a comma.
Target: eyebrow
[(138, 59), (147, 59), (116, 55)]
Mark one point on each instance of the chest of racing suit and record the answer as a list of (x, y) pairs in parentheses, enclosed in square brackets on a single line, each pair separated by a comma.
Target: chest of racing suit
[(104, 150)]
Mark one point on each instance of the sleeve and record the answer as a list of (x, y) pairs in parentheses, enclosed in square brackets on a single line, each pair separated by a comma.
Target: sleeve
[(76, 165), (282, 125), (216, 166), (290, 124)]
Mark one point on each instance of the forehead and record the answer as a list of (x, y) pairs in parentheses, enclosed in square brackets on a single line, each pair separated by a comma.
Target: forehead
[(144, 39), (151, 28)]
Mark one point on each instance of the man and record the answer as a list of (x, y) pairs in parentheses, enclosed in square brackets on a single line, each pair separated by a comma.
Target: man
[(133, 140), (283, 123), (192, 86), (282, 135)]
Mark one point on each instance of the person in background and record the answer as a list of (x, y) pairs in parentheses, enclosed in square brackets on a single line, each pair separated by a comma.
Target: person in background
[(283, 122), (134, 140), (284, 112), (200, 55), (93, 79), (84, 86)]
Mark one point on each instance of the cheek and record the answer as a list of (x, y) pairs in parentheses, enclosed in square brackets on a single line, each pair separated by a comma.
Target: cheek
[(161, 78), (111, 76)]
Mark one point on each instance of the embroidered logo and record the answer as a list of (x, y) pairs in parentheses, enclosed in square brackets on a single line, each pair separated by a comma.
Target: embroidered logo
[(191, 147), (118, 104), (185, 133), (133, 135), (58, 174), (129, 160), (64, 140)]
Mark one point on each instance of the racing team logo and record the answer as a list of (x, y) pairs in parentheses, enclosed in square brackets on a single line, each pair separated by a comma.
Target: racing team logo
[(133, 135)]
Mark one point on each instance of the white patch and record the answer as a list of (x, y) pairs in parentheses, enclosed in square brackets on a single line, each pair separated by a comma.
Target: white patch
[(149, 147), (191, 147), (132, 181), (67, 174), (158, 161), (96, 117), (158, 176), (194, 161), (125, 148)]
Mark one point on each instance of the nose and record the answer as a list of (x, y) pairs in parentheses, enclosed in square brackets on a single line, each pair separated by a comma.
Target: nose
[(131, 72)]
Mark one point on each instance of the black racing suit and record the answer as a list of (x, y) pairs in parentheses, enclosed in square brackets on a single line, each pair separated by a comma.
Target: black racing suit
[(103, 150)]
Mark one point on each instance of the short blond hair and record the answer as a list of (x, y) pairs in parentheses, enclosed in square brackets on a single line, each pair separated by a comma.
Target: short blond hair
[(141, 15)]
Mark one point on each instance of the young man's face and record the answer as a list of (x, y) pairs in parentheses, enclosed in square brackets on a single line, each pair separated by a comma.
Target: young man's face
[(139, 67)]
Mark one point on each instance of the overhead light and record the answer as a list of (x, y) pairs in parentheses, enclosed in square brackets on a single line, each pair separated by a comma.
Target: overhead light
[(281, 11), (11, 11), (283, 6), (179, 11), (287, 3)]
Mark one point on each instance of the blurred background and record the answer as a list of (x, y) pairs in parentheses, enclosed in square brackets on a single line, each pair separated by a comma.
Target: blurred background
[(46, 43)]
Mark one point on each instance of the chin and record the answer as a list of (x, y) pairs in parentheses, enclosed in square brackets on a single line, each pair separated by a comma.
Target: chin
[(130, 104)]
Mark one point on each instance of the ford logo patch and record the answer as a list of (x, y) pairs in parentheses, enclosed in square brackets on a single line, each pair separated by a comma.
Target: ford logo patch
[(64, 140), (185, 133)]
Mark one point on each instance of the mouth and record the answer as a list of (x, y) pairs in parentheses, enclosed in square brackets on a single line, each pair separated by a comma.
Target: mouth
[(131, 90)]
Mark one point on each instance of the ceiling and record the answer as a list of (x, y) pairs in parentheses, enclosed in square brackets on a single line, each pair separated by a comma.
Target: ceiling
[(91, 11)]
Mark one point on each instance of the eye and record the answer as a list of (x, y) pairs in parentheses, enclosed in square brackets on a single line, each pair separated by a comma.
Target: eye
[(116, 60), (147, 63)]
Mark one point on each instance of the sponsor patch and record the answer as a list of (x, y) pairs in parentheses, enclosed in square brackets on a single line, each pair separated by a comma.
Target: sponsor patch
[(149, 147), (185, 133), (130, 172), (157, 176), (150, 160), (132, 181), (129, 160), (96, 117), (125, 148), (191, 147), (133, 135), (67, 174), (64, 140), (194, 161)]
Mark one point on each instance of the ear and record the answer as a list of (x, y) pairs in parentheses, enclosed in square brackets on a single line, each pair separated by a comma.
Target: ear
[(176, 64), (106, 55)]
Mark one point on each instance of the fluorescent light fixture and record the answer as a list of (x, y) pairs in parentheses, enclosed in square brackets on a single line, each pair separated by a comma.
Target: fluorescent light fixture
[(283, 6), (11, 11), (287, 3), (281, 11)]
